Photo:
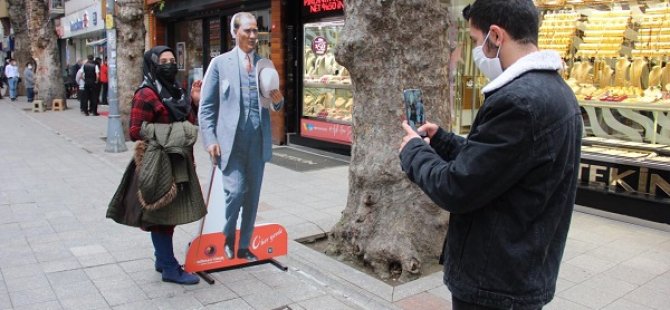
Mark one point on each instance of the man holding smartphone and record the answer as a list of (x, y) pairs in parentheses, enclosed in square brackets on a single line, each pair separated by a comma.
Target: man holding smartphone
[(510, 185)]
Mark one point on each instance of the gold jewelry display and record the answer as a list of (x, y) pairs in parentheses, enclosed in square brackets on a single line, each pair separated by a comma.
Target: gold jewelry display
[(665, 76), (637, 72), (655, 76), (620, 71)]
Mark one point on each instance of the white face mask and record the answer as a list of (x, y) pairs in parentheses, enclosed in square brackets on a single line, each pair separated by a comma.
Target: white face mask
[(30, 67), (490, 67)]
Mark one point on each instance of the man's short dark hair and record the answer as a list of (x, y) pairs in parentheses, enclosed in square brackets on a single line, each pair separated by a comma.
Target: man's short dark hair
[(90, 57), (520, 18)]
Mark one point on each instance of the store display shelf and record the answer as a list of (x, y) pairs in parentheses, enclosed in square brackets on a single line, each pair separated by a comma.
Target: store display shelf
[(330, 85), (328, 119), (663, 107), (659, 149)]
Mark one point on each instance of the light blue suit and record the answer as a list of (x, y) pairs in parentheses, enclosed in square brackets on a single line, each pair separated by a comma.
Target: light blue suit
[(241, 127)]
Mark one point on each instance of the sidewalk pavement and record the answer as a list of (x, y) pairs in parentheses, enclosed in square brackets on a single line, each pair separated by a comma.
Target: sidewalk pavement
[(59, 252)]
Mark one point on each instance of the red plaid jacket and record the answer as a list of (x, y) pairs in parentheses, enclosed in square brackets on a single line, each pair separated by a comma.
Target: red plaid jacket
[(147, 107)]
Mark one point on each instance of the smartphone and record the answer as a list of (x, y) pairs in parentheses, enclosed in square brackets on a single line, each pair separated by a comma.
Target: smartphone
[(414, 110)]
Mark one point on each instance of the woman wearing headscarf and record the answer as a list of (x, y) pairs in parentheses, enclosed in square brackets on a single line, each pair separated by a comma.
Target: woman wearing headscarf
[(160, 188)]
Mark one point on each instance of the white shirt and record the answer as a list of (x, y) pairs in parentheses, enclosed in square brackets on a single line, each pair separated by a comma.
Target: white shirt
[(80, 78), (11, 71)]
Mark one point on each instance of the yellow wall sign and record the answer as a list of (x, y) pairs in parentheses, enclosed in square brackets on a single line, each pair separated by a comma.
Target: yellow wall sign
[(109, 21)]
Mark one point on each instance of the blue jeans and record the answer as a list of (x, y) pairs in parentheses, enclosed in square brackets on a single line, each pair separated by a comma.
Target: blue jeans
[(13, 82), (30, 92), (242, 179)]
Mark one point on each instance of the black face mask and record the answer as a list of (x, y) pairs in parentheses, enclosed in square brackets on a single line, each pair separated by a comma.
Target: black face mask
[(168, 72)]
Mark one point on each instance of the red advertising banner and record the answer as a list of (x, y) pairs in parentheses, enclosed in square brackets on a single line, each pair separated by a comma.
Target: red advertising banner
[(332, 132), (206, 251)]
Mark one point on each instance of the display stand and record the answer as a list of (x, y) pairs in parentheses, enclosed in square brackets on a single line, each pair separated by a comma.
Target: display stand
[(205, 252)]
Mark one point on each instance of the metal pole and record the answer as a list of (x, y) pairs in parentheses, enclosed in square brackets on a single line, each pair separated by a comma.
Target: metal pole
[(116, 141)]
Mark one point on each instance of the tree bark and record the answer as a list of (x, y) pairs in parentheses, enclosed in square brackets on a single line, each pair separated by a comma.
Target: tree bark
[(43, 45), (19, 22), (388, 46), (130, 33)]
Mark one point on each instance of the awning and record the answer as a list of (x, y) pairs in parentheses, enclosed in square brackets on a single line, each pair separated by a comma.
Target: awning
[(97, 42)]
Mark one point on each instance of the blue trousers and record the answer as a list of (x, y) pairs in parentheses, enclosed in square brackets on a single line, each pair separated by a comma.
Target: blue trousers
[(30, 92), (242, 179), (13, 82)]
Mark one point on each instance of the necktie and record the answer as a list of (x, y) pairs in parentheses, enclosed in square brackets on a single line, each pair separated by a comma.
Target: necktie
[(248, 64)]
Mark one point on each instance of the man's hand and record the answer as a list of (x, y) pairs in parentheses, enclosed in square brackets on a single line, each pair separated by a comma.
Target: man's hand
[(214, 151), (409, 135), (429, 128), (276, 96), (195, 91)]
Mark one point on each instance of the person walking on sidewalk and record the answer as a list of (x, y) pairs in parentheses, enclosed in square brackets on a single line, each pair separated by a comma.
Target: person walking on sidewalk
[(510, 185), (235, 125), (103, 81), (29, 76), (12, 74), (160, 188), (90, 95), (81, 86)]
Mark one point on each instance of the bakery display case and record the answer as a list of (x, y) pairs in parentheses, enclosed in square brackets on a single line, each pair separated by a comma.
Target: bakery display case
[(327, 100)]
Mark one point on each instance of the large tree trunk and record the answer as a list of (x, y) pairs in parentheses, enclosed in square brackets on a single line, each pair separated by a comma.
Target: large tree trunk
[(48, 77), (388, 46), (19, 21), (130, 33)]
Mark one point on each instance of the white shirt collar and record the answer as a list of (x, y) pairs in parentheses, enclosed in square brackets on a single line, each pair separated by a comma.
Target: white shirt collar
[(242, 56)]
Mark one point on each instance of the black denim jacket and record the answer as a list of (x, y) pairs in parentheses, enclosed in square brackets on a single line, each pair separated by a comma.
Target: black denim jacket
[(510, 188)]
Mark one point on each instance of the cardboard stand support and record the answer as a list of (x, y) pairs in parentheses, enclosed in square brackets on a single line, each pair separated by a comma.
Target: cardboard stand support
[(205, 252)]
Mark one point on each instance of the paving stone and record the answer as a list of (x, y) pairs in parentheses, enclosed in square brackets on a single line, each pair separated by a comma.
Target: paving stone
[(60, 265), (115, 297), (85, 302), (214, 295), (649, 297), (623, 304), (105, 271), (660, 283), (237, 304), (26, 283), (267, 299), (591, 263), (67, 277), (647, 264), (629, 274), (88, 250), (423, 301), (418, 286), (588, 296), (247, 287), (49, 305), (137, 305), (324, 303), (5, 301), (20, 272), (137, 265), (301, 292), (96, 259), (33, 296), (233, 275), (178, 303), (563, 304), (574, 273), (162, 289), (74, 290)]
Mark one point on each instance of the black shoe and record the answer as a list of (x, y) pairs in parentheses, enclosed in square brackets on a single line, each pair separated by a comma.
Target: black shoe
[(95, 114), (246, 254), (228, 251), (86, 113)]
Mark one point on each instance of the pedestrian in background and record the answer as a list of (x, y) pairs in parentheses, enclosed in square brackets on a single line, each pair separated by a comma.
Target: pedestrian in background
[(510, 185), (104, 81), (81, 85), (90, 94), (161, 111), (12, 74), (29, 82)]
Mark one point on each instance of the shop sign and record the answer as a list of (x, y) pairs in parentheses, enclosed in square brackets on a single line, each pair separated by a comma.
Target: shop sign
[(84, 21), (312, 7), (332, 132), (319, 46), (626, 179)]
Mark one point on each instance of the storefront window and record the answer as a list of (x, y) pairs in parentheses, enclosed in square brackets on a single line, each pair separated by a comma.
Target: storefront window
[(188, 51), (327, 94)]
